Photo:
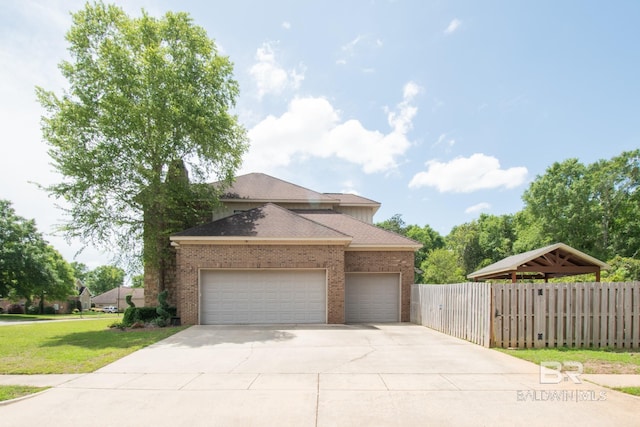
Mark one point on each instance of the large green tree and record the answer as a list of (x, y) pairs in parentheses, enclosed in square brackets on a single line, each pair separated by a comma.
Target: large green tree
[(29, 267), (426, 235), (148, 99), (104, 278), (442, 266), (594, 208)]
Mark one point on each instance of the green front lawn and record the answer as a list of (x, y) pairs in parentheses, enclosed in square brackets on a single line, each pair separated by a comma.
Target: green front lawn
[(36, 317), (630, 390), (8, 392), (594, 361), (70, 347)]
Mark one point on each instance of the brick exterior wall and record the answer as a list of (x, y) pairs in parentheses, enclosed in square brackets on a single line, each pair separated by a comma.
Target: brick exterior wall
[(191, 258), (386, 262)]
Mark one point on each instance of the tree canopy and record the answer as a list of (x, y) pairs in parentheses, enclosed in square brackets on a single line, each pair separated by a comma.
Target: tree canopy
[(29, 266), (104, 278), (145, 96)]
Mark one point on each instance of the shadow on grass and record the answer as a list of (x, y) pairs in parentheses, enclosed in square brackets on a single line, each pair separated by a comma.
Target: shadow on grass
[(111, 338), (19, 318)]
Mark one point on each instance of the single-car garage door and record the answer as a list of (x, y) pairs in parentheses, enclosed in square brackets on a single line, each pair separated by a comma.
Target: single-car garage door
[(372, 297), (262, 296)]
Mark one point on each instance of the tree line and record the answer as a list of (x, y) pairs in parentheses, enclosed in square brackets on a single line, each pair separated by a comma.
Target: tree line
[(594, 208), (31, 269)]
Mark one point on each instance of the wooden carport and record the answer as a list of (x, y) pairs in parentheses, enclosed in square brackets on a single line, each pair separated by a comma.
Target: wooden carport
[(557, 260)]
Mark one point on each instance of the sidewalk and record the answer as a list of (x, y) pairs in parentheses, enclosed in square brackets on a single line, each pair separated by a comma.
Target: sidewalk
[(613, 380), (55, 380)]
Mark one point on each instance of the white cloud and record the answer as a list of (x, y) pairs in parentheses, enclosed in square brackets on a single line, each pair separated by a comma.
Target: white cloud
[(286, 25), (484, 206), (270, 76), (360, 44), (349, 47), (453, 26), (443, 139), (468, 174), (312, 127), (349, 188)]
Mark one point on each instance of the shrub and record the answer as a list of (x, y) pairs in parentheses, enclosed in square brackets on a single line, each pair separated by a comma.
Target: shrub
[(143, 314), (1, 310), (75, 311), (15, 309), (162, 310), (49, 310), (118, 325), (130, 316), (33, 309), (129, 301)]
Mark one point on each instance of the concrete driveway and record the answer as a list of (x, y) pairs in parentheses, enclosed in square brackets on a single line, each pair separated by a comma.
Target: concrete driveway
[(393, 374)]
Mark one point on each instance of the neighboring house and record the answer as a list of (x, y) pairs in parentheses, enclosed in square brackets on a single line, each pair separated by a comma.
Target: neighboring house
[(117, 297), (280, 253), (61, 306), (84, 296)]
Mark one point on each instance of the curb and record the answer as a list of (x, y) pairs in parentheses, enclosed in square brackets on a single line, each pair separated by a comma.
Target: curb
[(28, 396)]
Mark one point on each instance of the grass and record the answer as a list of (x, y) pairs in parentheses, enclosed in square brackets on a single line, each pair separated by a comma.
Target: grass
[(70, 347), (594, 361), (36, 317), (629, 390), (8, 392)]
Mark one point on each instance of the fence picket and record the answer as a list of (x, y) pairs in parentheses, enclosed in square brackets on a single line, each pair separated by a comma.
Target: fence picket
[(512, 315)]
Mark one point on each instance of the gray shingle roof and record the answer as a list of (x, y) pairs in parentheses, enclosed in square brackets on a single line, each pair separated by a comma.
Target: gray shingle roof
[(268, 221), (347, 199), (363, 234), (112, 295), (274, 222), (262, 187)]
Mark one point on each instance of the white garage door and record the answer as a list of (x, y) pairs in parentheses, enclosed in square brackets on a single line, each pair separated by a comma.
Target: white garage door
[(262, 296), (372, 297)]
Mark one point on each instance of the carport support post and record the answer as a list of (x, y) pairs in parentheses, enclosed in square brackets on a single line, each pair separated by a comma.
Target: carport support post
[(514, 277)]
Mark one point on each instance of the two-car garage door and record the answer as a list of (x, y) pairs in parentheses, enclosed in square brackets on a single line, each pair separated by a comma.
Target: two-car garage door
[(262, 296), (294, 296)]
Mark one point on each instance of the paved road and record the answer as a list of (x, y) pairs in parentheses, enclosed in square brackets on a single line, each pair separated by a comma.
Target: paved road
[(381, 375)]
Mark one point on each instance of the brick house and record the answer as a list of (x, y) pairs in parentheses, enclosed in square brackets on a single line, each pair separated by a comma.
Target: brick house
[(276, 252)]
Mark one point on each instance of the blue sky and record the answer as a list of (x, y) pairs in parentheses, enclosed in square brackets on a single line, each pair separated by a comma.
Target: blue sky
[(440, 110)]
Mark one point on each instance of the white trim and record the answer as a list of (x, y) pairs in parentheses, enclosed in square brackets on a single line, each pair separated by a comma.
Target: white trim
[(238, 240)]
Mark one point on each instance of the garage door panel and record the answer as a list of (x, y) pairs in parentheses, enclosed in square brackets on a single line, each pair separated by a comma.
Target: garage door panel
[(263, 296), (372, 297)]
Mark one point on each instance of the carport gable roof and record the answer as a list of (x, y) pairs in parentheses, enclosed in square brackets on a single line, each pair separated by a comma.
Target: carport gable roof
[(365, 236), (268, 224), (555, 260)]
